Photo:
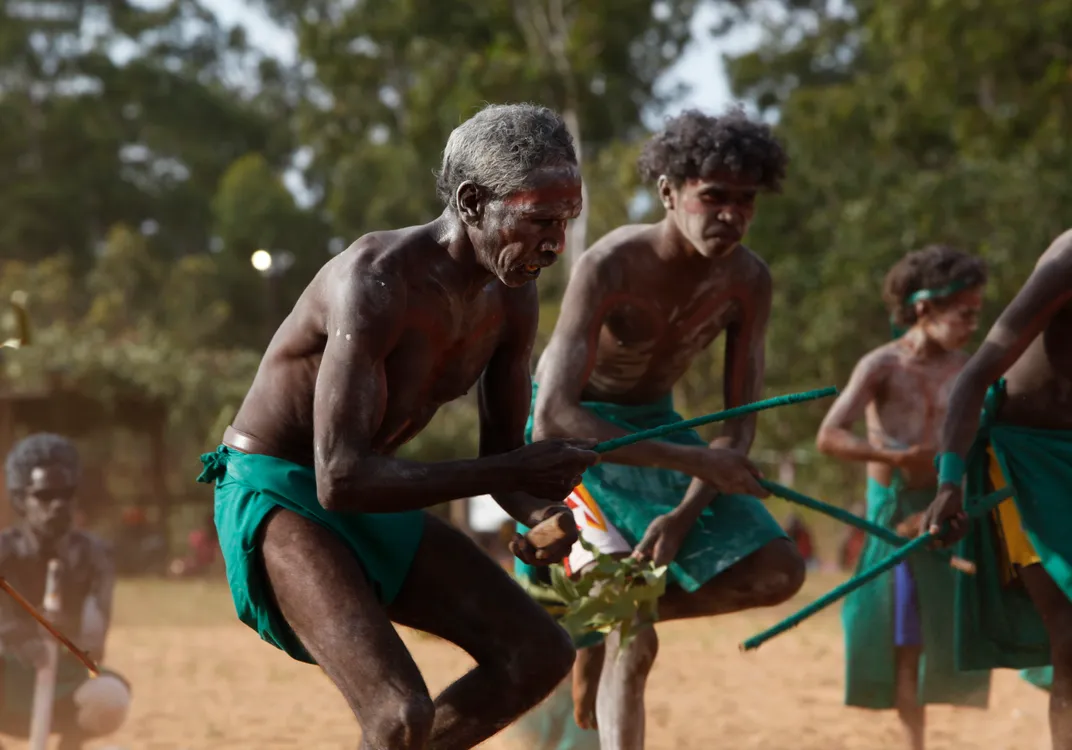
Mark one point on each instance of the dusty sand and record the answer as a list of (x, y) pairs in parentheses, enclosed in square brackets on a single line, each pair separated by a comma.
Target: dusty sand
[(203, 681)]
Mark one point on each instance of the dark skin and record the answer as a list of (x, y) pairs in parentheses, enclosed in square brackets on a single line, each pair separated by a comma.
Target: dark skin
[(641, 304), (1028, 344), (399, 324), (48, 505), (902, 392)]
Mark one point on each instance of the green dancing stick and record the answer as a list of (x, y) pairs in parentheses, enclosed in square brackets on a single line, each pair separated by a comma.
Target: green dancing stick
[(959, 563), (720, 416), (985, 505)]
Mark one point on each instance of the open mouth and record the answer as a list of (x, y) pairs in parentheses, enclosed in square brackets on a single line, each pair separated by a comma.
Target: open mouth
[(531, 270)]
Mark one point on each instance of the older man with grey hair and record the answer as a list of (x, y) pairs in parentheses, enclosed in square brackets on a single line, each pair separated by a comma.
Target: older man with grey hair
[(322, 526)]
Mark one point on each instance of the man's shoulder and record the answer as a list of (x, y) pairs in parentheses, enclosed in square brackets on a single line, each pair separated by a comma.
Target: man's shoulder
[(617, 253), (92, 543), (751, 267), (884, 358), (1059, 252)]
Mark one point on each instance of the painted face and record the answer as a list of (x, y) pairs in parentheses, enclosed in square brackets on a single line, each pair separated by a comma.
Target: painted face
[(49, 502), (526, 231), (713, 213), (953, 320)]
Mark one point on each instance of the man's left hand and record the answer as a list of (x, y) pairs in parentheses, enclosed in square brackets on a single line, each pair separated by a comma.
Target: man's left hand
[(661, 541)]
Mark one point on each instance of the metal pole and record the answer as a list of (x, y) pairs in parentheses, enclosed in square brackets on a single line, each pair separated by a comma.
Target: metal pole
[(45, 685)]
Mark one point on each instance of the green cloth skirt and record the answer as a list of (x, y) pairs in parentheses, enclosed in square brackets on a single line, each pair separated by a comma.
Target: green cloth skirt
[(248, 488)]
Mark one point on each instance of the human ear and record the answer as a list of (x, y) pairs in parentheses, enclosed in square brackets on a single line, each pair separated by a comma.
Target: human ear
[(666, 192), (471, 200)]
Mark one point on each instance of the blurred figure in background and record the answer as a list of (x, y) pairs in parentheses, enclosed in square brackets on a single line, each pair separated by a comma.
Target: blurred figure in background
[(42, 475), (899, 645)]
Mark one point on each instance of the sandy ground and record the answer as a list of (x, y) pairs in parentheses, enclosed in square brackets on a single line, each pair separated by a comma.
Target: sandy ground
[(202, 680)]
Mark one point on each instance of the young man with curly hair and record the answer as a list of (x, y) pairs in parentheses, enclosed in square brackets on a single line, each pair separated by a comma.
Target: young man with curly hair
[(899, 628), (1009, 423), (641, 303), (42, 475)]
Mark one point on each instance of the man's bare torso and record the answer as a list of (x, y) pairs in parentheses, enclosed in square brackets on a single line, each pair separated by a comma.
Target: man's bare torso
[(448, 336), (909, 406), (663, 315), (1039, 385)]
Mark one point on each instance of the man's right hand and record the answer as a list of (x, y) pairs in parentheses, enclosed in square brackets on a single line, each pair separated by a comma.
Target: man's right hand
[(728, 471), (550, 469), (948, 507), (918, 458)]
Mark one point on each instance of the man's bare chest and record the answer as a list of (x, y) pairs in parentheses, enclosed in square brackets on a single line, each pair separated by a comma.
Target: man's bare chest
[(678, 326), (439, 360)]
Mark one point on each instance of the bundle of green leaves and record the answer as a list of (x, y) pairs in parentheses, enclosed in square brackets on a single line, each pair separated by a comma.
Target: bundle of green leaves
[(612, 594)]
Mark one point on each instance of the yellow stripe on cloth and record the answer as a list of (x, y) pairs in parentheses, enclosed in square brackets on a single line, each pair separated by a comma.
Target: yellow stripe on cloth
[(1018, 548)]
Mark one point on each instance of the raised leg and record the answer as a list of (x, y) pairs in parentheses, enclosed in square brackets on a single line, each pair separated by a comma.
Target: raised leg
[(1056, 612), (456, 592), (909, 710), (769, 576), (620, 706), (324, 596)]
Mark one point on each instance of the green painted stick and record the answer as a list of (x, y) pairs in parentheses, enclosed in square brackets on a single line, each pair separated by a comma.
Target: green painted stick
[(959, 563), (985, 505), (720, 416)]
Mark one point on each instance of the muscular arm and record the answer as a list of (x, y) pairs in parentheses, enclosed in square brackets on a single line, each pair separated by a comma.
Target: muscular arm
[(835, 436), (742, 383), (367, 310), (746, 340), (1046, 291), (504, 394), (568, 362)]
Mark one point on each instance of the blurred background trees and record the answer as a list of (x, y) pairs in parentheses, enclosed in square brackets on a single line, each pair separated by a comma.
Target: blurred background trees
[(147, 151)]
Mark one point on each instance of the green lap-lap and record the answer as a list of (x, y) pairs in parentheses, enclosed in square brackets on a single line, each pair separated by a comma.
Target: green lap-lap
[(251, 486), (868, 618), (631, 497), (997, 625)]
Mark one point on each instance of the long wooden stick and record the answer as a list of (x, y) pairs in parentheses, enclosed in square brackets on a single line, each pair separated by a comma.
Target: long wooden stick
[(985, 505), (958, 563), (32, 611), (720, 416)]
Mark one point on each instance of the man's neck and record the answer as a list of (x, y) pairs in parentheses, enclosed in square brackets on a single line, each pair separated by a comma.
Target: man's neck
[(45, 545), (920, 346), (452, 234)]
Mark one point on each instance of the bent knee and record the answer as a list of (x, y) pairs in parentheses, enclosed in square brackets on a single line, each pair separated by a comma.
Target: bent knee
[(778, 572), (404, 722), (102, 705)]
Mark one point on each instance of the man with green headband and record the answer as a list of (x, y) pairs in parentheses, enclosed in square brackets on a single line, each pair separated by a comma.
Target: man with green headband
[(1009, 423), (898, 628)]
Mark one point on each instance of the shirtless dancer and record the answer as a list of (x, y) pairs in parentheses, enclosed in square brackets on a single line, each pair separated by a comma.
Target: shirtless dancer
[(1020, 382), (641, 304), (901, 624), (321, 526)]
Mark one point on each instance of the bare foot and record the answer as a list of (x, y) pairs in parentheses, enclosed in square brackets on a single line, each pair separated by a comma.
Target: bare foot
[(586, 672)]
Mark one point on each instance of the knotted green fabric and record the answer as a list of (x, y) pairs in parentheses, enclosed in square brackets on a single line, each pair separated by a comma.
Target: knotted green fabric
[(248, 488), (997, 625), (868, 617)]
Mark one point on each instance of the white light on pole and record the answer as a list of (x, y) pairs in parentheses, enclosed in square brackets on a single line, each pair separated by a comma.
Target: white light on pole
[(261, 260)]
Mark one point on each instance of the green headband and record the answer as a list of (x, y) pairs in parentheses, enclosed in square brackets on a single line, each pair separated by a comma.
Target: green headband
[(946, 291), (925, 294)]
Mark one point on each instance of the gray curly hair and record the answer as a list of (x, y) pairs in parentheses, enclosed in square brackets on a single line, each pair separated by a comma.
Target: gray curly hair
[(499, 146)]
